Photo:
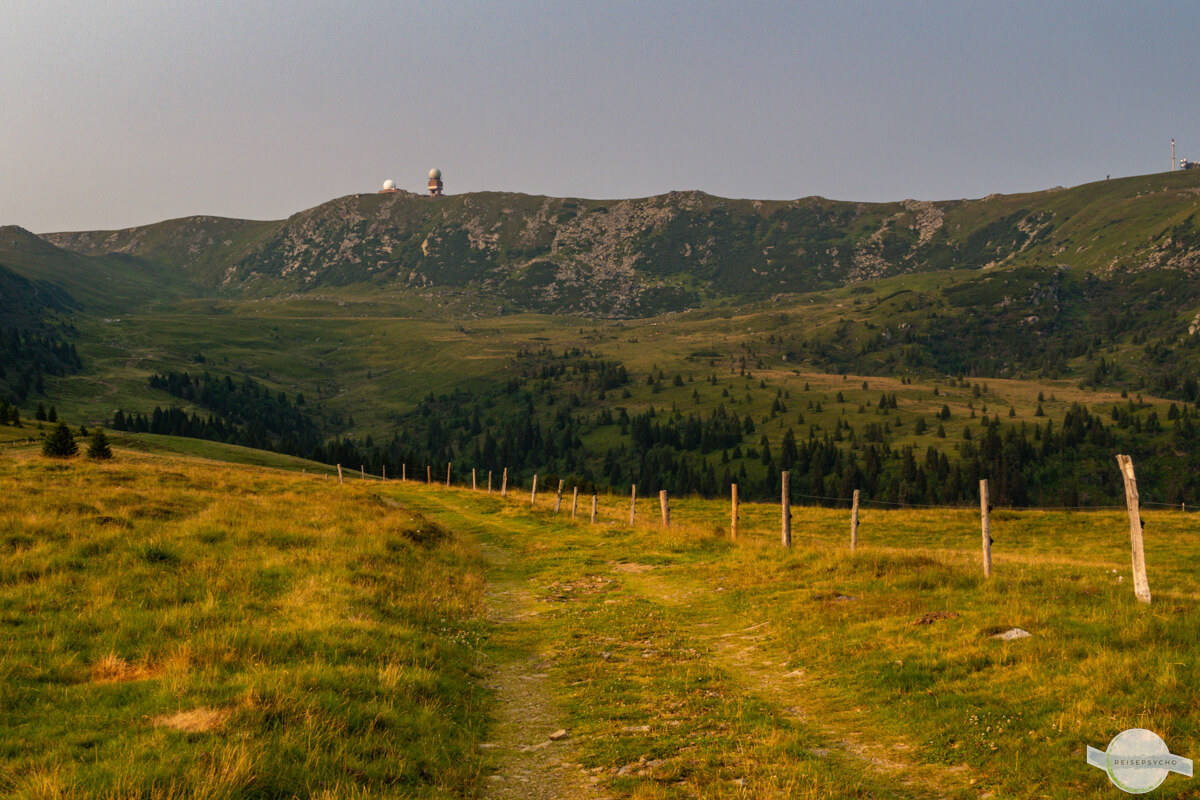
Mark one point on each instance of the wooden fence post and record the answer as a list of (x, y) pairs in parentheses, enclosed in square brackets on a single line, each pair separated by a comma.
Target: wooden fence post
[(574, 501), (447, 476), (404, 472), (1141, 585), (533, 494), (786, 500), (362, 472), (733, 511), (854, 522), (558, 497), (340, 474), (593, 509), (504, 484), (984, 508), (632, 502), (489, 481), (666, 509), (428, 474), (385, 472), (474, 488)]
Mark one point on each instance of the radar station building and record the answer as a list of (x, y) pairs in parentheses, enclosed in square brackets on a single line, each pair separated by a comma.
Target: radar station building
[(435, 182)]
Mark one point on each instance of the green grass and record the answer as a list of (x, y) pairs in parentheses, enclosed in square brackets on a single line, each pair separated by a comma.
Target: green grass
[(176, 627), (703, 639), (179, 628)]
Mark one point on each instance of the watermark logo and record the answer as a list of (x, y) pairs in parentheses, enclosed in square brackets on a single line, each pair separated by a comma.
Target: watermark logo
[(1137, 761)]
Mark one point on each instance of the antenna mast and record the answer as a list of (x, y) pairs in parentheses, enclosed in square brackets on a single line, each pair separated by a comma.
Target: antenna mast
[(1173, 161)]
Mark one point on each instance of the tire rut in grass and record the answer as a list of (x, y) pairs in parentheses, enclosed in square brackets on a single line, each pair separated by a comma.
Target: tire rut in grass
[(742, 646), (735, 643)]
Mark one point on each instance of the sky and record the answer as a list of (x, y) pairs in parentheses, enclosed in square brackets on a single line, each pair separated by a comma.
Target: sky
[(129, 112)]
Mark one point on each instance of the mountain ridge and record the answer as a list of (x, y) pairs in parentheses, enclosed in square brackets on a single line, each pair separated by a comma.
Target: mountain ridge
[(683, 249)]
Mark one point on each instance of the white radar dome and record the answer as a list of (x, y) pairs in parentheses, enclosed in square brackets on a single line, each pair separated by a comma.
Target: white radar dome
[(434, 174), (388, 185)]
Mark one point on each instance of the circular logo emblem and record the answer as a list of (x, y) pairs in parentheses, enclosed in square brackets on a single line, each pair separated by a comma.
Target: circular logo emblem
[(1138, 761)]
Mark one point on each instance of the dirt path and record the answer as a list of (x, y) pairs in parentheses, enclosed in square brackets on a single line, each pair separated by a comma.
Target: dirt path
[(531, 756), (529, 764)]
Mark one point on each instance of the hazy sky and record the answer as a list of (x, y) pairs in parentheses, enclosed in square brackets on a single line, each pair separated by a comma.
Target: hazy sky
[(125, 112)]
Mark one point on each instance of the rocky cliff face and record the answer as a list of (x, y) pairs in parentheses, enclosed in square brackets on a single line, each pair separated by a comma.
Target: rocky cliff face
[(642, 256)]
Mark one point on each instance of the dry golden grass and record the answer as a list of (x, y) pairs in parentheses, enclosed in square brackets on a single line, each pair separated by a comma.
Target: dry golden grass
[(176, 628), (197, 720)]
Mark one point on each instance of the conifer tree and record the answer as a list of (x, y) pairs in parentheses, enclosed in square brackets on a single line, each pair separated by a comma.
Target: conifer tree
[(98, 446), (60, 443)]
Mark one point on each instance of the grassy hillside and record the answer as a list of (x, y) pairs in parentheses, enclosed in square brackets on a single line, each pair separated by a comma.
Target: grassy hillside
[(183, 628), (101, 284)]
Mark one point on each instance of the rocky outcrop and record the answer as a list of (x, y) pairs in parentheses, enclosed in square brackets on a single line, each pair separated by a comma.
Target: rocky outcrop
[(641, 256)]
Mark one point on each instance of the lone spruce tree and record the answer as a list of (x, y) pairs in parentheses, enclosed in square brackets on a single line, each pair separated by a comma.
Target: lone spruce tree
[(60, 443), (98, 446)]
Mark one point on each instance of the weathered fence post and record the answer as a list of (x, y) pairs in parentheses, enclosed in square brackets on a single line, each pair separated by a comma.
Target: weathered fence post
[(574, 501), (593, 509), (428, 474), (447, 476), (733, 511), (533, 494), (632, 502), (489, 481), (786, 500), (340, 474), (984, 508), (1141, 585), (385, 472), (504, 484), (666, 509), (558, 497), (854, 522), (362, 472), (474, 488), (404, 472)]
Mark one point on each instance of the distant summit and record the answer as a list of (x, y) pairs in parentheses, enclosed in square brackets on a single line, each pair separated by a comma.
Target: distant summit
[(679, 250)]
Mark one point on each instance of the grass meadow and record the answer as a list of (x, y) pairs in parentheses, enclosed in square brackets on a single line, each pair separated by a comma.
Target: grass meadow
[(814, 672), (175, 627)]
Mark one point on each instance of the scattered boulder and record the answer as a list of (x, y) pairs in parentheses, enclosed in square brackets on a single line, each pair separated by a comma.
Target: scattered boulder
[(558, 735), (1012, 633), (933, 616)]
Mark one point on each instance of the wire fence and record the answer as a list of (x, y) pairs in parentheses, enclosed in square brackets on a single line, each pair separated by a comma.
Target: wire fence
[(427, 476)]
